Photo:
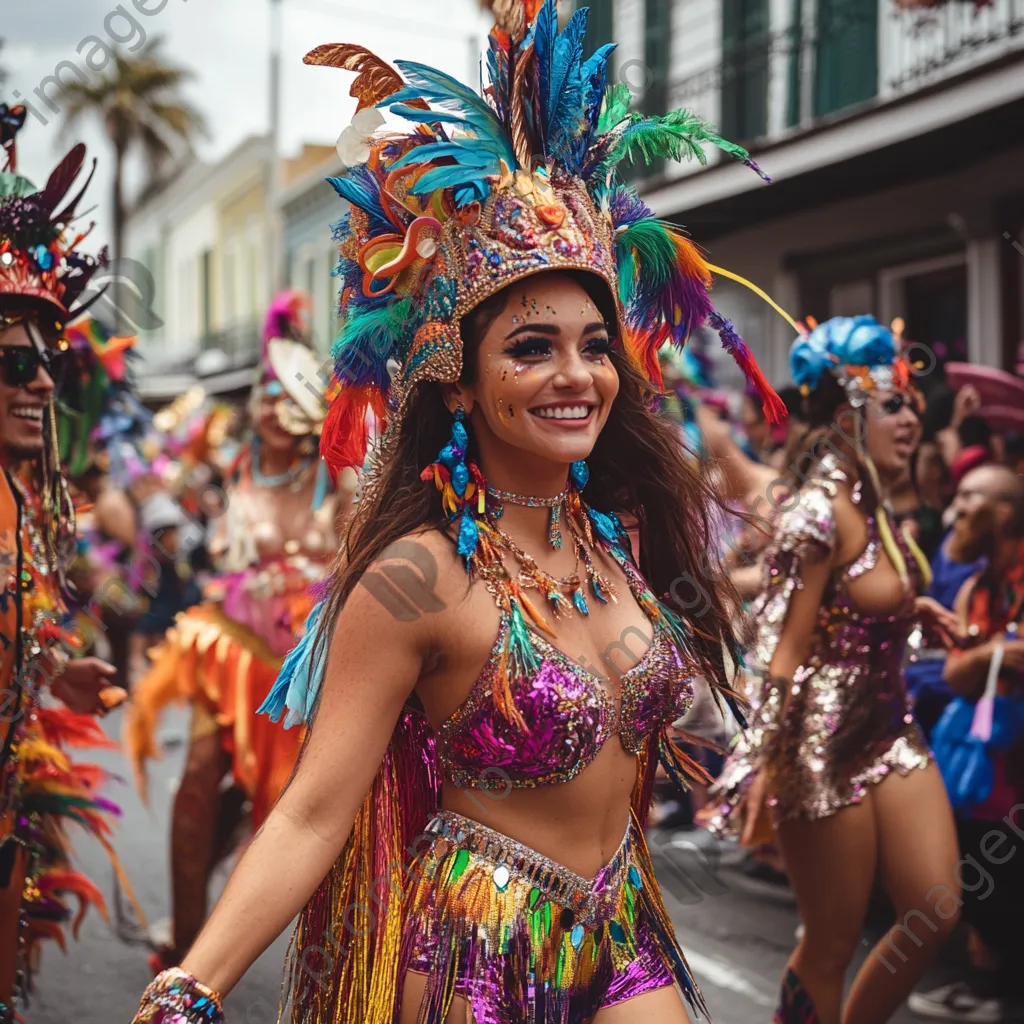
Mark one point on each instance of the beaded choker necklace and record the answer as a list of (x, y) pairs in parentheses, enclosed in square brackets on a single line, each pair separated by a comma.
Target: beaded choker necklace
[(293, 475), (556, 504)]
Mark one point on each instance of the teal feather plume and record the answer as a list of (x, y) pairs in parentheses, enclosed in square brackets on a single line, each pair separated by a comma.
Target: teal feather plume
[(646, 255), (615, 107), (436, 87), (522, 655), (295, 690), (368, 338)]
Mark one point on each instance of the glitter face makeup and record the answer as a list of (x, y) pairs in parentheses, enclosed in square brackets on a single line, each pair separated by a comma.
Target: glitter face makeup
[(548, 384)]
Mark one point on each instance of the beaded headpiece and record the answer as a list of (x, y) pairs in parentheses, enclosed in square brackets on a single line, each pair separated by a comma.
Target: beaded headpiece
[(862, 354), (489, 189), (39, 257)]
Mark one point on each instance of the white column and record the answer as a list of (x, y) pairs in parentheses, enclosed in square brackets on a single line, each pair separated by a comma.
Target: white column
[(779, 16), (984, 307)]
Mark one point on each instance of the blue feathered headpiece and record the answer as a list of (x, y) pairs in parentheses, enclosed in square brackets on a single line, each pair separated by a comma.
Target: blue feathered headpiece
[(859, 351), (488, 189)]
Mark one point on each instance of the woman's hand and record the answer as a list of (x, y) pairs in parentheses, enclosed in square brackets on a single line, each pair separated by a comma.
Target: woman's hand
[(937, 620), (752, 809), (85, 686)]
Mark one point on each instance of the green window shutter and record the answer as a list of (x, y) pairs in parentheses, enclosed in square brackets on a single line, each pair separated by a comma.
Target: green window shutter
[(745, 50), (795, 46), (845, 54), (600, 24)]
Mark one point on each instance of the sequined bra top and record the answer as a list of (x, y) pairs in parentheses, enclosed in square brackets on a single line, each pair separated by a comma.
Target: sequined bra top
[(569, 712)]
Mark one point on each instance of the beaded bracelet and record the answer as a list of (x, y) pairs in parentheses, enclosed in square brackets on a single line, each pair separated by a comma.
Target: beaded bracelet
[(175, 997)]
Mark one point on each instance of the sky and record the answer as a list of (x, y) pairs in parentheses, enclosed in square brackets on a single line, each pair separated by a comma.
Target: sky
[(227, 45)]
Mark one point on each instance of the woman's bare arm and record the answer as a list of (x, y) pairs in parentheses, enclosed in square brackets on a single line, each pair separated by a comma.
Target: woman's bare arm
[(801, 620), (372, 667)]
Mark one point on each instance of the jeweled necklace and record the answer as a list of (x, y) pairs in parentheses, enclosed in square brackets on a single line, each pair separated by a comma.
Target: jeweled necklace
[(555, 503)]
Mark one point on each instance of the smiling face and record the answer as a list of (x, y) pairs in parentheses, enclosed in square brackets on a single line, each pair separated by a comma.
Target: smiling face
[(893, 432), (268, 424), (544, 381), (22, 407)]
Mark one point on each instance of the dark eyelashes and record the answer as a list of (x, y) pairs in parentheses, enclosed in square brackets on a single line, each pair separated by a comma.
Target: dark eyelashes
[(541, 346)]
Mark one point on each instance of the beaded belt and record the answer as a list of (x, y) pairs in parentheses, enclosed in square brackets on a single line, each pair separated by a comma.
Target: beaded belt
[(590, 900)]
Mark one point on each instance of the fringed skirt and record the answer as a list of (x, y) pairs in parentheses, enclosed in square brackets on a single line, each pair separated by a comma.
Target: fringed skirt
[(225, 671), (526, 941)]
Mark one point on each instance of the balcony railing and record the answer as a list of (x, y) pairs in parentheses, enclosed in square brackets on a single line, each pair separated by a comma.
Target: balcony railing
[(947, 40), (238, 347), (809, 71)]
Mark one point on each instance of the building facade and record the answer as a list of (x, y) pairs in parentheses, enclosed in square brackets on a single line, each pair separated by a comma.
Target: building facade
[(206, 239), (309, 209), (893, 138)]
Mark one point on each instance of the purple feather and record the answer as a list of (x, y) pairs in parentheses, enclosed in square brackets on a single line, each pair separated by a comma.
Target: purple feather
[(627, 207)]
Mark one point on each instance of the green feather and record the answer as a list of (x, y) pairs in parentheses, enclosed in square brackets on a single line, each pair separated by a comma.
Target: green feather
[(617, 98), (678, 135), (381, 325), (646, 243), (522, 655)]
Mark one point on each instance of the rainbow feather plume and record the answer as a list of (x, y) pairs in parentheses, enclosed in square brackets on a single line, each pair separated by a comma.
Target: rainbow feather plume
[(774, 407)]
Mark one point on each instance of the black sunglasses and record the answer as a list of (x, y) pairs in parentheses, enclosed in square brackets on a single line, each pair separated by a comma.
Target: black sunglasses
[(891, 406), (19, 364)]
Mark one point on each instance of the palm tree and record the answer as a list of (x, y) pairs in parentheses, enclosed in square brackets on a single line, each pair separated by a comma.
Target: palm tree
[(139, 104)]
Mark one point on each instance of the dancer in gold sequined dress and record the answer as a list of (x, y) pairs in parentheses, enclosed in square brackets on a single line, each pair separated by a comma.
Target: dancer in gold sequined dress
[(834, 757)]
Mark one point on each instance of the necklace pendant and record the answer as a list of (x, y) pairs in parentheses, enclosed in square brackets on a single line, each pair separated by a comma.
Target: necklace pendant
[(555, 527)]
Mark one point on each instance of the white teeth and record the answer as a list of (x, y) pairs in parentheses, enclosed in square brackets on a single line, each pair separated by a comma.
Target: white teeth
[(28, 414), (564, 412)]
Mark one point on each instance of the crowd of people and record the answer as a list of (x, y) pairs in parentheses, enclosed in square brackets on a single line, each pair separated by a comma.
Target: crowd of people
[(615, 598)]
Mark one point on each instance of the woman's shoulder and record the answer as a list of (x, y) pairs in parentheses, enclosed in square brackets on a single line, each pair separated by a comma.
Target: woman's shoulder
[(811, 517), (422, 567)]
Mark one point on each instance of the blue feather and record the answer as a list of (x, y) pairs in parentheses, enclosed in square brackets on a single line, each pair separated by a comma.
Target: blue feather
[(295, 690), (438, 88), (545, 31), (468, 152), (565, 85), (469, 536), (451, 176), (361, 189)]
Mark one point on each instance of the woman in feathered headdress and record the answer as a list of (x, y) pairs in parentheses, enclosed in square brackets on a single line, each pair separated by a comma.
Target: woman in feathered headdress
[(834, 749), (499, 667), (275, 533)]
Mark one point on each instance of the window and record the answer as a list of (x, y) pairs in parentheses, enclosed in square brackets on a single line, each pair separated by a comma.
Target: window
[(600, 25), (745, 47), (657, 55), (206, 292), (845, 54)]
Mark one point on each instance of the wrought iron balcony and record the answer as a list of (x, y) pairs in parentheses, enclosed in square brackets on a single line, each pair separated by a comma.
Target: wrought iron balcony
[(838, 56)]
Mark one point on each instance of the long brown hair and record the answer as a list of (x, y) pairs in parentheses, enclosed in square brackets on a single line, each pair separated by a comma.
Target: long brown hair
[(638, 466)]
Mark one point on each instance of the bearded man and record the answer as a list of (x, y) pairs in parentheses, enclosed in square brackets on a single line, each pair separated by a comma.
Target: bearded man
[(989, 525)]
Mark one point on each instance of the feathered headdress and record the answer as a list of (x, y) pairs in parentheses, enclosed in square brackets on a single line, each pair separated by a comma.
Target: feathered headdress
[(862, 354), (39, 257), (486, 190)]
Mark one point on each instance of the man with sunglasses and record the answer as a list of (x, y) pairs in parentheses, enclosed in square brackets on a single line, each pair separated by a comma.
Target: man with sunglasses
[(42, 278)]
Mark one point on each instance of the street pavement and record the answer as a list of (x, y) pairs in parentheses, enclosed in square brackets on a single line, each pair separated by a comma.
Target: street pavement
[(737, 933)]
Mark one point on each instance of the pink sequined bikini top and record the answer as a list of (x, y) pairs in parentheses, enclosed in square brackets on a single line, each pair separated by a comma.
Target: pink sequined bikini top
[(569, 713)]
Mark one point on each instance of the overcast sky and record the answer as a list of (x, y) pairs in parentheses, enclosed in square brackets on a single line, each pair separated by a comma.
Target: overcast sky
[(226, 43)]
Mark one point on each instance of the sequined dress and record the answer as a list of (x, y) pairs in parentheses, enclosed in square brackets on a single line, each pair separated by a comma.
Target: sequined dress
[(847, 722)]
